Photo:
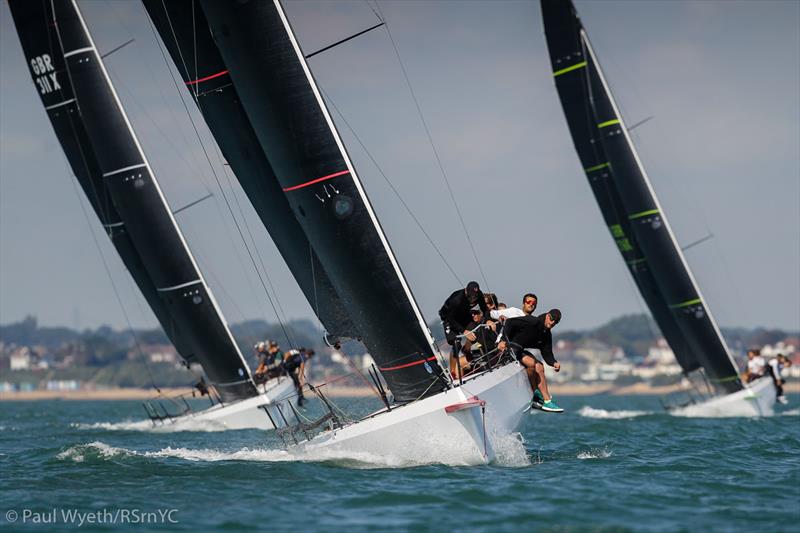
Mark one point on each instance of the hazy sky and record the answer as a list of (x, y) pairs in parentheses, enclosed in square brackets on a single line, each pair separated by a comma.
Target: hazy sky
[(722, 80)]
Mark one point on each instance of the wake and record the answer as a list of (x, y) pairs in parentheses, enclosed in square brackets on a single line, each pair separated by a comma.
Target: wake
[(510, 452), (591, 412), (201, 426)]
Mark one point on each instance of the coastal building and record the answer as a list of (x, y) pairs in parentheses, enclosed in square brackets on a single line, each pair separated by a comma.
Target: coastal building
[(20, 359)]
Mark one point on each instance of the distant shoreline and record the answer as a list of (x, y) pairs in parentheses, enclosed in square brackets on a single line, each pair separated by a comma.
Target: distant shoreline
[(122, 393)]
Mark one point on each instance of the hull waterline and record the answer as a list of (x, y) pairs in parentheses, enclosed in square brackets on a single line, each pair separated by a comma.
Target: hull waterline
[(250, 413), (461, 426), (756, 399)]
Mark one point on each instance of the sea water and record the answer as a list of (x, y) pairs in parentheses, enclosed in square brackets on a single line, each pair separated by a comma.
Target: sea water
[(606, 464)]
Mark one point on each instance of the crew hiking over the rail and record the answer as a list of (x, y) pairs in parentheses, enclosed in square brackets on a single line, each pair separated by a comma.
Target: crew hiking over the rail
[(294, 364), (522, 334), (270, 357), (776, 366), (456, 314)]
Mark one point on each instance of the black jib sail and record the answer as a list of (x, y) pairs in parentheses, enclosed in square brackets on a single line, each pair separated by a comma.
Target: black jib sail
[(628, 203), (184, 30), (107, 160), (298, 136)]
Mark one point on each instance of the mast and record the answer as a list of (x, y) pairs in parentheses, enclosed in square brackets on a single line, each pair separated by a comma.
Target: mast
[(107, 159), (185, 33), (697, 338), (298, 136)]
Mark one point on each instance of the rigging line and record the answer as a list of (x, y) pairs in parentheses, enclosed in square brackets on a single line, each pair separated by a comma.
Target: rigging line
[(214, 172), (392, 187), (288, 328), (194, 43), (314, 283), (435, 152), (130, 96), (160, 93), (177, 46), (86, 215), (377, 15), (123, 45), (113, 284)]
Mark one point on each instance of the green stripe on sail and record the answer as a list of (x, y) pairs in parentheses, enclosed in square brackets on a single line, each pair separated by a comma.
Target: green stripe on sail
[(725, 380), (642, 214), (686, 303), (608, 123), (637, 261), (596, 167), (576, 66)]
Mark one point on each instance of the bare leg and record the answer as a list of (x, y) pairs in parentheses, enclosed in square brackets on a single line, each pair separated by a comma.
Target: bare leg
[(539, 369), (529, 363)]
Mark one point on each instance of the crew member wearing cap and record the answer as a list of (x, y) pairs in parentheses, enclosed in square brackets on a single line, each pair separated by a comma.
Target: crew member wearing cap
[(267, 353), (534, 332), (456, 314)]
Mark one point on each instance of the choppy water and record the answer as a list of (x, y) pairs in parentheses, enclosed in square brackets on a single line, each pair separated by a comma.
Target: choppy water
[(609, 463)]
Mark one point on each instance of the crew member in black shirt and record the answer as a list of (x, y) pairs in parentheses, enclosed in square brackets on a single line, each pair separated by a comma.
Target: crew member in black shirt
[(456, 314), (533, 332)]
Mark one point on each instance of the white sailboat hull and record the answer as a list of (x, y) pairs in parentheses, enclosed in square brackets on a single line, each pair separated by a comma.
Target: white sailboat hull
[(757, 399), (461, 426), (249, 413)]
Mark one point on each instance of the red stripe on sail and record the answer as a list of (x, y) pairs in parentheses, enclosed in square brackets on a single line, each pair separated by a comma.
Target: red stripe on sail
[(312, 182), (414, 363), (211, 77)]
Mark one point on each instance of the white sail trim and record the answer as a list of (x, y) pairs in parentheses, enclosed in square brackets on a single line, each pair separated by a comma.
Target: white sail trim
[(158, 188), (663, 215), (65, 102), (124, 169), (80, 50), (356, 180), (181, 286)]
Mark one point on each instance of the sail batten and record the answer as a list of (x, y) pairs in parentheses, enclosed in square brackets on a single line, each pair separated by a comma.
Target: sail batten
[(628, 202)]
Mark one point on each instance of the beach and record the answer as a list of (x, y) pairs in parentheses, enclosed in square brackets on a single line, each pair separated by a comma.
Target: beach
[(129, 393)]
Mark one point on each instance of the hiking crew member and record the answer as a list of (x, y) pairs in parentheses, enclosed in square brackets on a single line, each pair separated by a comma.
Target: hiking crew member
[(529, 302), (268, 352), (456, 314), (294, 364), (756, 365), (776, 366), (484, 340), (533, 332)]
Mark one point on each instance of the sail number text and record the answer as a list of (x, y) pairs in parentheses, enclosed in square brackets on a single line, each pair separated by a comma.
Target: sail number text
[(45, 74)]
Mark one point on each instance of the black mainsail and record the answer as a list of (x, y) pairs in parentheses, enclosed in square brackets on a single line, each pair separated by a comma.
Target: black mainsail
[(298, 137), (185, 33), (628, 202), (111, 168)]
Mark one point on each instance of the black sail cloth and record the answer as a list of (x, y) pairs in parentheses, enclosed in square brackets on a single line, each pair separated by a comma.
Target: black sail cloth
[(628, 204), (295, 132), (184, 30), (108, 163)]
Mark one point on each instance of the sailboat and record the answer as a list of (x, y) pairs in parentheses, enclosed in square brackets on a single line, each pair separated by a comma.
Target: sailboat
[(255, 90), (639, 226), (119, 183)]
